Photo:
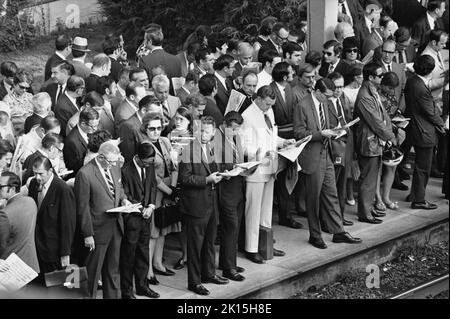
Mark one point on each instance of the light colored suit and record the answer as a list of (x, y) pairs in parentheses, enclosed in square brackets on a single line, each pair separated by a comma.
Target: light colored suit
[(259, 139), (124, 111), (437, 81), (21, 212), (174, 103)]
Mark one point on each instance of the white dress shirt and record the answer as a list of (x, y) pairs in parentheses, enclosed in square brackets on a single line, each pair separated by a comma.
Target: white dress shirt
[(317, 107), (83, 134), (369, 23), (45, 188), (431, 21), (221, 79), (102, 171), (264, 78), (282, 90)]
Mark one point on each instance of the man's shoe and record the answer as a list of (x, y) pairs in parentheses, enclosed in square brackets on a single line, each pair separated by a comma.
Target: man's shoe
[(147, 293), (370, 220), (408, 198), (346, 222), (128, 297), (168, 272), (426, 205), (152, 281), (255, 257), (199, 289), (233, 275), (239, 269), (180, 264), (404, 176), (400, 186), (215, 280), (377, 214), (291, 223), (278, 253), (318, 243), (346, 238)]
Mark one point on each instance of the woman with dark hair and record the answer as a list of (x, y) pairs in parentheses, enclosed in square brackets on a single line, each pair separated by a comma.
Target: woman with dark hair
[(315, 59), (387, 96), (6, 153), (94, 141), (325, 88), (350, 50)]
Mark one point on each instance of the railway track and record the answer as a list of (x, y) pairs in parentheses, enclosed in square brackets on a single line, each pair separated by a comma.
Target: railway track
[(429, 289)]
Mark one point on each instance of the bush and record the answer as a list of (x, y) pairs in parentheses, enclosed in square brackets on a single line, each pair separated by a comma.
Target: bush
[(15, 31)]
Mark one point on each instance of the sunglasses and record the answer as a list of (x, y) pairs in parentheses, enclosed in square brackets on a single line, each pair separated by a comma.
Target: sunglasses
[(23, 87), (388, 52), (355, 50), (153, 129), (327, 53)]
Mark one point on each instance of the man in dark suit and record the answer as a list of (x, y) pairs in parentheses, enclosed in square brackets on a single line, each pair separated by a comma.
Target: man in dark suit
[(60, 73), (75, 146), (342, 148), (113, 49), (405, 51), (249, 84), (364, 27), (63, 45), (372, 132), (158, 56), (139, 185), (187, 58), (19, 221), (228, 151), (311, 118), (279, 35), (431, 20), (130, 132), (424, 128), (407, 12), (101, 66), (134, 93), (56, 218), (353, 9), (98, 188), (198, 176), (68, 104), (224, 68), (245, 56), (332, 61), (379, 35), (190, 86), (208, 88)]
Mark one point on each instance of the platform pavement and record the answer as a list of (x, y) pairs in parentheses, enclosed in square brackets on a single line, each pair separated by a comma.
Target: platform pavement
[(300, 255)]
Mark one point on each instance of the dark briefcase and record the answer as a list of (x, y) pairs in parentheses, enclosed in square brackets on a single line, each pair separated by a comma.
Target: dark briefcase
[(167, 215), (265, 245), (69, 283)]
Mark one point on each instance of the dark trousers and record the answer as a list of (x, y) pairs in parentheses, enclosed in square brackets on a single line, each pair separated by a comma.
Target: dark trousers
[(134, 258), (48, 266), (421, 174), (231, 198), (286, 201), (200, 235), (104, 261), (341, 173), (321, 198), (370, 168)]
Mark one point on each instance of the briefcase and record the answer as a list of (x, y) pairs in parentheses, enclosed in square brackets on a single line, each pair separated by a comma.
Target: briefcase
[(69, 283), (265, 245), (168, 214)]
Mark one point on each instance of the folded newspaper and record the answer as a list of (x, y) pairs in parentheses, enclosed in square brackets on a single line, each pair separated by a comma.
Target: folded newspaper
[(134, 208), (293, 151), (15, 273)]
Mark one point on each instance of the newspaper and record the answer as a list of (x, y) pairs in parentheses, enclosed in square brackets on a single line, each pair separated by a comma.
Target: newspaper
[(134, 208), (15, 273), (235, 101), (292, 152), (233, 173), (177, 83), (248, 165)]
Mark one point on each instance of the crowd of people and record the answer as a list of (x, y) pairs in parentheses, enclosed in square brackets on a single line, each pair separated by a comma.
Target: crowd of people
[(161, 134)]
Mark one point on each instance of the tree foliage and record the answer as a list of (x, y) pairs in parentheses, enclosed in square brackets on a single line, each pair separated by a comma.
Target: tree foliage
[(180, 18)]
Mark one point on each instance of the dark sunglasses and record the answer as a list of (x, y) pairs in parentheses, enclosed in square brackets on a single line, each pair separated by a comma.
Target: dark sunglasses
[(153, 129), (327, 53), (23, 87), (355, 50)]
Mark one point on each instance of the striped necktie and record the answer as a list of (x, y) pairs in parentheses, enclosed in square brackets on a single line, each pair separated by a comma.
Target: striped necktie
[(340, 113), (268, 122), (109, 181), (323, 124)]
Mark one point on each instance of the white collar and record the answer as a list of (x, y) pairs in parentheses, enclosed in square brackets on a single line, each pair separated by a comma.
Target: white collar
[(79, 59), (138, 168), (47, 184), (221, 79), (156, 48), (74, 101), (386, 65), (131, 103), (281, 88), (60, 55), (265, 73), (335, 64), (187, 91), (430, 19), (369, 23), (426, 81), (121, 91), (83, 134)]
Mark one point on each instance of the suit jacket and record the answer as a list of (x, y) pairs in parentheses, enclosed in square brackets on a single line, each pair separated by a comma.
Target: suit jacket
[(81, 69), (374, 126), (54, 58), (341, 150), (266, 46), (437, 81), (174, 103), (406, 12), (257, 136), (361, 31), (421, 29), (21, 212), (134, 189), (183, 63), (307, 122), (130, 135), (31, 121), (4, 232), (371, 43), (169, 62), (237, 69), (94, 199), (247, 102), (56, 219), (342, 67), (64, 110), (356, 10), (197, 197), (52, 90), (116, 68), (182, 94), (400, 71), (213, 110), (223, 94), (74, 151), (3, 91), (410, 54), (124, 112), (426, 122), (283, 111), (91, 82)]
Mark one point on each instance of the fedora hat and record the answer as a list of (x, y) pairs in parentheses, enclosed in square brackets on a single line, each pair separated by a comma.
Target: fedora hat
[(80, 44)]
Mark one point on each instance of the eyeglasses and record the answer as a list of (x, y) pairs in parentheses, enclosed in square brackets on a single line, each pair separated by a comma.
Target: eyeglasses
[(282, 39), (355, 50), (153, 129), (23, 87), (327, 53), (379, 75), (112, 163), (1, 186), (339, 87), (94, 128), (388, 52)]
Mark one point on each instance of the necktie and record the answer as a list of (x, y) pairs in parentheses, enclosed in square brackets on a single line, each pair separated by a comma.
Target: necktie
[(110, 182), (143, 175), (340, 113), (60, 91), (166, 112), (343, 8), (389, 68), (323, 124), (331, 69), (268, 123), (40, 197)]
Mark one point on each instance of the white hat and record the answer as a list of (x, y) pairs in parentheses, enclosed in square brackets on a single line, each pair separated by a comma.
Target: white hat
[(80, 44)]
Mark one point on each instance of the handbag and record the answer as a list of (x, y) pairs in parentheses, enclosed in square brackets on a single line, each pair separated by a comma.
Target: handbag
[(168, 214), (69, 283)]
